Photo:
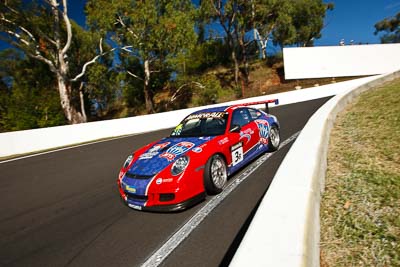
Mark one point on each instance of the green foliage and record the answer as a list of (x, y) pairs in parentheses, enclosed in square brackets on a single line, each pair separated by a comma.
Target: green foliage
[(308, 20), (206, 55), (207, 92), (159, 34), (197, 90), (38, 29), (163, 47), (391, 29), (26, 101), (290, 22)]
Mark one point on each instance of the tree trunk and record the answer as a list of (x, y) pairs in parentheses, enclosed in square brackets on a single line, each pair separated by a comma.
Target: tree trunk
[(236, 62), (245, 71), (71, 114), (82, 99), (264, 48), (148, 95)]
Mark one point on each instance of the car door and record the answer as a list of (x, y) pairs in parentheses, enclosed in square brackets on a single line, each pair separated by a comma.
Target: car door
[(246, 140)]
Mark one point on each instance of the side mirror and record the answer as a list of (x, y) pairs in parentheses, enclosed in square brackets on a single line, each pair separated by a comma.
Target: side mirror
[(235, 128)]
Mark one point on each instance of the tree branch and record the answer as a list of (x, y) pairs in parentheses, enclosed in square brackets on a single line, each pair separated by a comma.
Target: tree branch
[(87, 64), (134, 75), (119, 20), (68, 26), (45, 60), (175, 95), (19, 37), (10, 8)]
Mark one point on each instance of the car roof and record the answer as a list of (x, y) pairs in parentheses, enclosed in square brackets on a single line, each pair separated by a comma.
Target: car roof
[(214, 109), (219, 109)]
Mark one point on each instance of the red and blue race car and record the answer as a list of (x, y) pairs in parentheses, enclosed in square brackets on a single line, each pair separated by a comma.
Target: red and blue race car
[(209, 145)]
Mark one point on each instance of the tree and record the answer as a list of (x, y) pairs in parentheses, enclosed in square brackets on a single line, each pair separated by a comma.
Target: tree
[(270, 20), (308, 20), (44, 32), (25, 101), (156, 32), (225, 13), (287, 22), (391, 29)]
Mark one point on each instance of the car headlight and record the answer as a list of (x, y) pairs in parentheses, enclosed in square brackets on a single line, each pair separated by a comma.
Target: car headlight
[(128, 161), (180, 165)]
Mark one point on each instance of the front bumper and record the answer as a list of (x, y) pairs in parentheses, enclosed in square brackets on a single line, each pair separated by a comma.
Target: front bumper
[(153, 201), (170, 207)]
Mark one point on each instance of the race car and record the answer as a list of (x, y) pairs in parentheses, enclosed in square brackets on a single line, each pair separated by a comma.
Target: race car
[(206, 148)]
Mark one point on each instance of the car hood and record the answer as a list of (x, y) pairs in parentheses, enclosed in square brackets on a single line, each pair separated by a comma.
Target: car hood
[(163, 153)]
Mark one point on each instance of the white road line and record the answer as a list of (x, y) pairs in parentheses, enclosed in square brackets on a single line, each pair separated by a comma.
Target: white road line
[(65, 148), (173, 242)]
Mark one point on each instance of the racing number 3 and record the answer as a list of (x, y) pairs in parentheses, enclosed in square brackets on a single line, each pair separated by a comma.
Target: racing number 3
[(237, 153)]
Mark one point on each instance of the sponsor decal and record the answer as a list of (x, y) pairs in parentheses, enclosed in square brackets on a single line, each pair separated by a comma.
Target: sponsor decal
[(176, 150), (237, 153), (236, 146), (178, 130), (152, 152), (148, 155), (197, 150), (206, 115), (163, 180), (246, 134), (158, 147), (223, 141), (206, 138), (130, 189), (263, 126)]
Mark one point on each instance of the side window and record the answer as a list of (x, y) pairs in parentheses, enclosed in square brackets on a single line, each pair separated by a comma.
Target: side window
[(240, 117), (254, 114)]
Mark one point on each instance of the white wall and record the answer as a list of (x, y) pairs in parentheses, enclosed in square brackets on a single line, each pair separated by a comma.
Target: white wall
[(340, 61), (22, 142)]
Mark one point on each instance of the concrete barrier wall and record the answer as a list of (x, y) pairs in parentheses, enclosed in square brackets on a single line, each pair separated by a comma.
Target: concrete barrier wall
[(22, 142), (340, 61), (285, 230)]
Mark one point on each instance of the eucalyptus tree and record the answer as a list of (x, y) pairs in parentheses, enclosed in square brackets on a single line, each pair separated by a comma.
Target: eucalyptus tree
[(287, 22), (308, 20), (271, 20), (43, 30), (25, 101), (225, 13), (391, 29), (155, 32)]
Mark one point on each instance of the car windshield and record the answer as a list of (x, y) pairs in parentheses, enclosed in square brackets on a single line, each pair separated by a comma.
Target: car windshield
[(202, 124)]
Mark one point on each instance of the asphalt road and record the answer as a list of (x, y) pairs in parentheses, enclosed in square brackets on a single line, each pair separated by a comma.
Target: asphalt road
[(63, 208)]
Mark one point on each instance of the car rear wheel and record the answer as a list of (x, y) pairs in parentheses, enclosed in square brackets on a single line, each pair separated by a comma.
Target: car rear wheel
[(274, 138), (215, 175)]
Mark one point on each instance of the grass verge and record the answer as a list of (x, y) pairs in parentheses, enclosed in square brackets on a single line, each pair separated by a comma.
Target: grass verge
[(360, 208)]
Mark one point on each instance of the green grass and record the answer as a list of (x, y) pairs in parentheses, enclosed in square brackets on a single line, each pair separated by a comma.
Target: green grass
[(360, 209)]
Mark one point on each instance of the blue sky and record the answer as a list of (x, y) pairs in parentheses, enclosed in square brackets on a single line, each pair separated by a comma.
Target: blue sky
[(350, 20), (355, 20)]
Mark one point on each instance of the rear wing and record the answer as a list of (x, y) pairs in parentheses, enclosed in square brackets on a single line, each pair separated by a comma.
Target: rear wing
[(266, 102)]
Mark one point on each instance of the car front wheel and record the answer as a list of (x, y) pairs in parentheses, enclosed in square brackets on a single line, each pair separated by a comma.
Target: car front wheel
[(215, 175)]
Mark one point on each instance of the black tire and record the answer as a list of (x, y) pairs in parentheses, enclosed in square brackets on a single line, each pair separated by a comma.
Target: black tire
[(215, 175), (274, 138)]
